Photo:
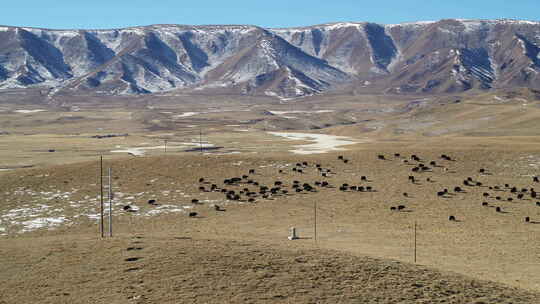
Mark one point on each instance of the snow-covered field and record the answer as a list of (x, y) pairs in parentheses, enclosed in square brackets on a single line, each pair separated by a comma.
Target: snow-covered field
[(322, 142), (53, 209)]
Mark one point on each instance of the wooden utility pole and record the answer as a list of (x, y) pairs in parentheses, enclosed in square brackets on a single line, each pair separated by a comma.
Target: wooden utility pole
[(200, 140), (415, 242), (110, 202), (101, 227), (315, 220)]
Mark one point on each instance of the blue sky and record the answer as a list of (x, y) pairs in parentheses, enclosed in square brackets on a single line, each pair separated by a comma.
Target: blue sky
[(271, 13)]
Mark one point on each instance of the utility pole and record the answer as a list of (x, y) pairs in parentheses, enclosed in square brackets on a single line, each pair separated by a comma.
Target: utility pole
[(315, 221), (101, 228), (200, 139), (415, 242), (110, 202), (165, 146)]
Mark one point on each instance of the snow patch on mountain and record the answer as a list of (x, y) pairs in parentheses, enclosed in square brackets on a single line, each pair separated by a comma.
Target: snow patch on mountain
[(284, 63), (325, 26), (341, 25), (411, 24), (471, 25)]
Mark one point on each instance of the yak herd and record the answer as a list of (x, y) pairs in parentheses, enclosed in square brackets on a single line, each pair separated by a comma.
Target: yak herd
[(246, 188)]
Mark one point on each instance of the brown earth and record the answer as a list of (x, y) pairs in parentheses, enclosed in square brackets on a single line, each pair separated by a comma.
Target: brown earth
[(364, 252), (157, 268), (482, 244)]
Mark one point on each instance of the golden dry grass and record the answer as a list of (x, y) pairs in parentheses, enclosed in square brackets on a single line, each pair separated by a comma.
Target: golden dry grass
[(484, 244), (242, 254), (173, 268)]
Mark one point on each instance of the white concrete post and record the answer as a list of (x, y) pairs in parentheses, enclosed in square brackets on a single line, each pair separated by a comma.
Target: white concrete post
[(293, 235)]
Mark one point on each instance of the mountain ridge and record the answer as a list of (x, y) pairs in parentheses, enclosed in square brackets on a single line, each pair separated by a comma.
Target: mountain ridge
[(419, 22), (446, 56)]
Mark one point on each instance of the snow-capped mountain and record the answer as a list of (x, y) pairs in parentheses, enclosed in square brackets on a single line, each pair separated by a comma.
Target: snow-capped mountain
[(442, 56)]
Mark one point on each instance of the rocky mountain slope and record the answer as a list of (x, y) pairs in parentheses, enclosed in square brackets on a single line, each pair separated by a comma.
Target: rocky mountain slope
[(429, 57)]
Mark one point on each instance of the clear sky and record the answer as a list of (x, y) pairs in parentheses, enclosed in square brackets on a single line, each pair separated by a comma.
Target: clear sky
[(96, 14)]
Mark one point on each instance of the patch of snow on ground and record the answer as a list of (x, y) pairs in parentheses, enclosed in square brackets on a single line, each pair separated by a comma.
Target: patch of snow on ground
[(215, 110), (323, 143), (14, 214), (141, 151), (283, 113), (224, 153), (42, 222), (165, 209), (133, 151), (93, 216), (292, 112), (196, 144), (270, 93), (187, 114), (29, 111)]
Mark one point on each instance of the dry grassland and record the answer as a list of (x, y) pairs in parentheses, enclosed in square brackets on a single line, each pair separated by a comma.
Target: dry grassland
[(364, 252)]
